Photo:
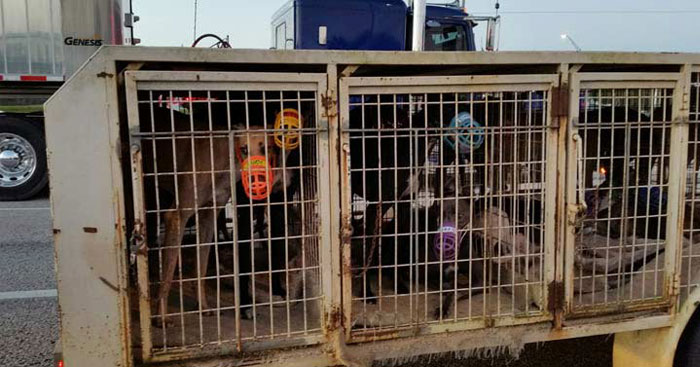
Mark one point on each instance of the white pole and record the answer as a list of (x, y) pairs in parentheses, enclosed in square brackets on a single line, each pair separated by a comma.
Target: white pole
[(418, 24)]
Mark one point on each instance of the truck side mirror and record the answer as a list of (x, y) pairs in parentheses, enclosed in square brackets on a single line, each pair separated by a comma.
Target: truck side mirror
[(130, 19), (492, 34)]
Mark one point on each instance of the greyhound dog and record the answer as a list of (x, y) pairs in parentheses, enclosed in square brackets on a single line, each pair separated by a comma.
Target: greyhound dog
[(202, 188)]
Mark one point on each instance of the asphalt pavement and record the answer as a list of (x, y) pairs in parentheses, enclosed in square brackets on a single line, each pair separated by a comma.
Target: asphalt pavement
[(28, 306)]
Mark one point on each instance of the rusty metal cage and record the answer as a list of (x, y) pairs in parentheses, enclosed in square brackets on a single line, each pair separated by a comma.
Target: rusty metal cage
[(447, 193), (447, 188), (229, 176), (325, 209), (622, 134)]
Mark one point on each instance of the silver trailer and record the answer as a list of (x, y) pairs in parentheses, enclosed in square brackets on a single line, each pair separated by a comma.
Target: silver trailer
[(42, 43), (430, 203)]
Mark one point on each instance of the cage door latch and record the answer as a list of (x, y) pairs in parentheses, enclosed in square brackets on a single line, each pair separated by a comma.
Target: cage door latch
[(137, 242)]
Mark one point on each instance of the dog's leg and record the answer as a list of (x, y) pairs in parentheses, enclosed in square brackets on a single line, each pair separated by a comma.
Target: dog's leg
[(372, 243), (222, 226), (206, 237), (447, 303), (245, 246), (279, 251), (448, 286), (174, 229)]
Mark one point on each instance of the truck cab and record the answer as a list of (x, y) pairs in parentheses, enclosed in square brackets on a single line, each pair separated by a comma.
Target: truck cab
[(380, 25)]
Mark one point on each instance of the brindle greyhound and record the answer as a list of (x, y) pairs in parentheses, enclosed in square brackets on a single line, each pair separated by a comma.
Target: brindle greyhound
[(209, 186)]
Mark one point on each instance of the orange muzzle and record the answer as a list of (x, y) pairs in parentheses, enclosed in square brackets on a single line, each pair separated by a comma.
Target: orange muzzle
[(257, 176)]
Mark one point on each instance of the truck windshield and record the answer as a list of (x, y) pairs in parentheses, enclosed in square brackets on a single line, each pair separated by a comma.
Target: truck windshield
[(446, 37)]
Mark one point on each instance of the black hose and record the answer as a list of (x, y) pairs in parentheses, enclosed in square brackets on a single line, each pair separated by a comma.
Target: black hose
[(221, 44)]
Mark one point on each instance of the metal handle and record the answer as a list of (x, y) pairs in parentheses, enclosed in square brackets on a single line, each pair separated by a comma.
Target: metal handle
[(581, 189)]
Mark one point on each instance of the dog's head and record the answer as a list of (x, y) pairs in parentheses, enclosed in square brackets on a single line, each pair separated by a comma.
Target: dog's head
[(257, 155), (254, 141)]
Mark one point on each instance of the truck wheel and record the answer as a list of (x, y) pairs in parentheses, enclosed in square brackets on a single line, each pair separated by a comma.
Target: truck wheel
[(688, 351), (23, 171)]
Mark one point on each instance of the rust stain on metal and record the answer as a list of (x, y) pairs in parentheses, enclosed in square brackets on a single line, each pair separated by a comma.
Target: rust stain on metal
[(347, 229), (334, 319), (555, 297), (329, 105), (675, 287), (346, 240), (557, 334), (560, 101), (89, 229)]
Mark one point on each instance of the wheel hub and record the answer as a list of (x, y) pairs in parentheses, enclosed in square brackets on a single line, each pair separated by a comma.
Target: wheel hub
[(17, 160), (10, 159)]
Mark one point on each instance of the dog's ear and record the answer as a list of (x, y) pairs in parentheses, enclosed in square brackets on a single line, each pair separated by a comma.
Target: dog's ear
[(238, 129)]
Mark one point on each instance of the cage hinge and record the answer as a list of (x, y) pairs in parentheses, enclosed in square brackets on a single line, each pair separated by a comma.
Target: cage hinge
[(329, 105), (555, 297), (560, 101), (675, 285)]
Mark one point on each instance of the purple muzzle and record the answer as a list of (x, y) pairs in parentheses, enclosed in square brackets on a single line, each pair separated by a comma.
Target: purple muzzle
[(445, 243)]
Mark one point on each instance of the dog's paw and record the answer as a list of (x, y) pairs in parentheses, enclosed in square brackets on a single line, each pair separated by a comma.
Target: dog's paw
[(441, 315), (437, 313)]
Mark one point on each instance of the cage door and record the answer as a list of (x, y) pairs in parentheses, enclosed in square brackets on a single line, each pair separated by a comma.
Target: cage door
[(625, 164), (229, 198), (449, 187)]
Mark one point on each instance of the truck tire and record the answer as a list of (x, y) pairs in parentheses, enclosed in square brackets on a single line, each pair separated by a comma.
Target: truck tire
[(23, 169), (688, 351)]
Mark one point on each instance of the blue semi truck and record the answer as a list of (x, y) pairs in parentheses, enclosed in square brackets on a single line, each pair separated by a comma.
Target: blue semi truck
[(374, 25)]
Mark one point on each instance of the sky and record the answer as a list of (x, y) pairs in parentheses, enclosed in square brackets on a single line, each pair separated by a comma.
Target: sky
[(595, 25)]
